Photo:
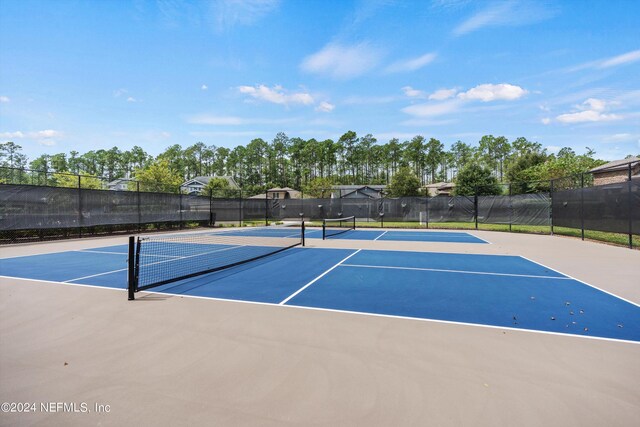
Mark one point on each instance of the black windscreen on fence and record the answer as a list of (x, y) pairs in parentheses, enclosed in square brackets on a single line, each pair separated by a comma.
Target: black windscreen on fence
[(451, 209), (610, 207), (521, 209)]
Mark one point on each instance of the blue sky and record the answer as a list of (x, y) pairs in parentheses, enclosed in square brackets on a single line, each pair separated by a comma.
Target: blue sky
[(93, 74)]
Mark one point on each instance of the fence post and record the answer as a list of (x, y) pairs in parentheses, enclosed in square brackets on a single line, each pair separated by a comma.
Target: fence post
[(510, 208), (181, 224), (551, 205), (426, 213), (266, 207), (138, 198), (629, 206), (241, 207), (582, 204), (475, 205), (79, 204), (210, 207)]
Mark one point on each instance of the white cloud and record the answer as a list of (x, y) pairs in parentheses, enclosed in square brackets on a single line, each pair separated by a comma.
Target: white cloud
[(119, 92), (512, 13), (413, 93), (592, 111), (411, 64), (586, 116), (229, 13), (625, 58), (131, 99), (47, 142), (49, 133), (12, 135), (204, 87), (325, 107), (432, 110), (342, 61), (276, 95), (546, 121), (491, 92), (442, 94), (4, 99)]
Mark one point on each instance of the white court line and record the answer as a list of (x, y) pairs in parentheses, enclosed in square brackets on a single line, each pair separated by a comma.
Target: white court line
[(316, 279), (331, 310), (581, 281), (61, 283), (381, 235), (392, 316), (456, 271), (100, 252), (95, 275)]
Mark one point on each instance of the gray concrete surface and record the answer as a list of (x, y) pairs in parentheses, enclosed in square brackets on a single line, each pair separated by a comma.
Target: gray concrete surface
[(166, 360)]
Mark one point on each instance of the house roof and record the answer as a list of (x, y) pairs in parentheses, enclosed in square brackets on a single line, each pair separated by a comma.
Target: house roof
[(446, 185), (616, 165), (435, 184), (356, 187), (204, 180)]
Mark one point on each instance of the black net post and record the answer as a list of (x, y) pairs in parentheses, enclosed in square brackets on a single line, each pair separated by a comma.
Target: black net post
[(302, 227), (131, 286), (382, 219), (426, 207), (582, 205)]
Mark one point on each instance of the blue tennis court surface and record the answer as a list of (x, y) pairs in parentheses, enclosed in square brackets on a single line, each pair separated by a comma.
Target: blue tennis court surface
[(499, 291), (389, 235)]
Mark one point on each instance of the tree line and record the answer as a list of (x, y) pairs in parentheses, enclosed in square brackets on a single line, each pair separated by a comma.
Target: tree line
[(310, 164)]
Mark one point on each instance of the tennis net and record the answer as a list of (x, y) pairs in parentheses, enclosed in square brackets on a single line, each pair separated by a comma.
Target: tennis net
[(334, 226), (158, 260)]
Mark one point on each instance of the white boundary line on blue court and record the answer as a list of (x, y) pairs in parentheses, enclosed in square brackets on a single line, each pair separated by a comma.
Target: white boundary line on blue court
[(582, 281), (61, 283), (391, 316), (440, 270), (331, 310), (317, 278), (380, 235)]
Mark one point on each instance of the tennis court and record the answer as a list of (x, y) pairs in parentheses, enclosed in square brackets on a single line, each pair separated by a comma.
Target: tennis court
[(358, 234), (341, 331), (479, 289)]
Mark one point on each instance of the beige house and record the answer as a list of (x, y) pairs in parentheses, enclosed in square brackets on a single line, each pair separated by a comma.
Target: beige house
[(440, 188), (279, 193), (616, 171)]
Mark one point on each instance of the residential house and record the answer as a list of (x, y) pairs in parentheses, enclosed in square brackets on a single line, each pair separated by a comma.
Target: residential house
[(120, 184), (440, 188), (195, 185), (616, 171), (279, 193), (371, 191)]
